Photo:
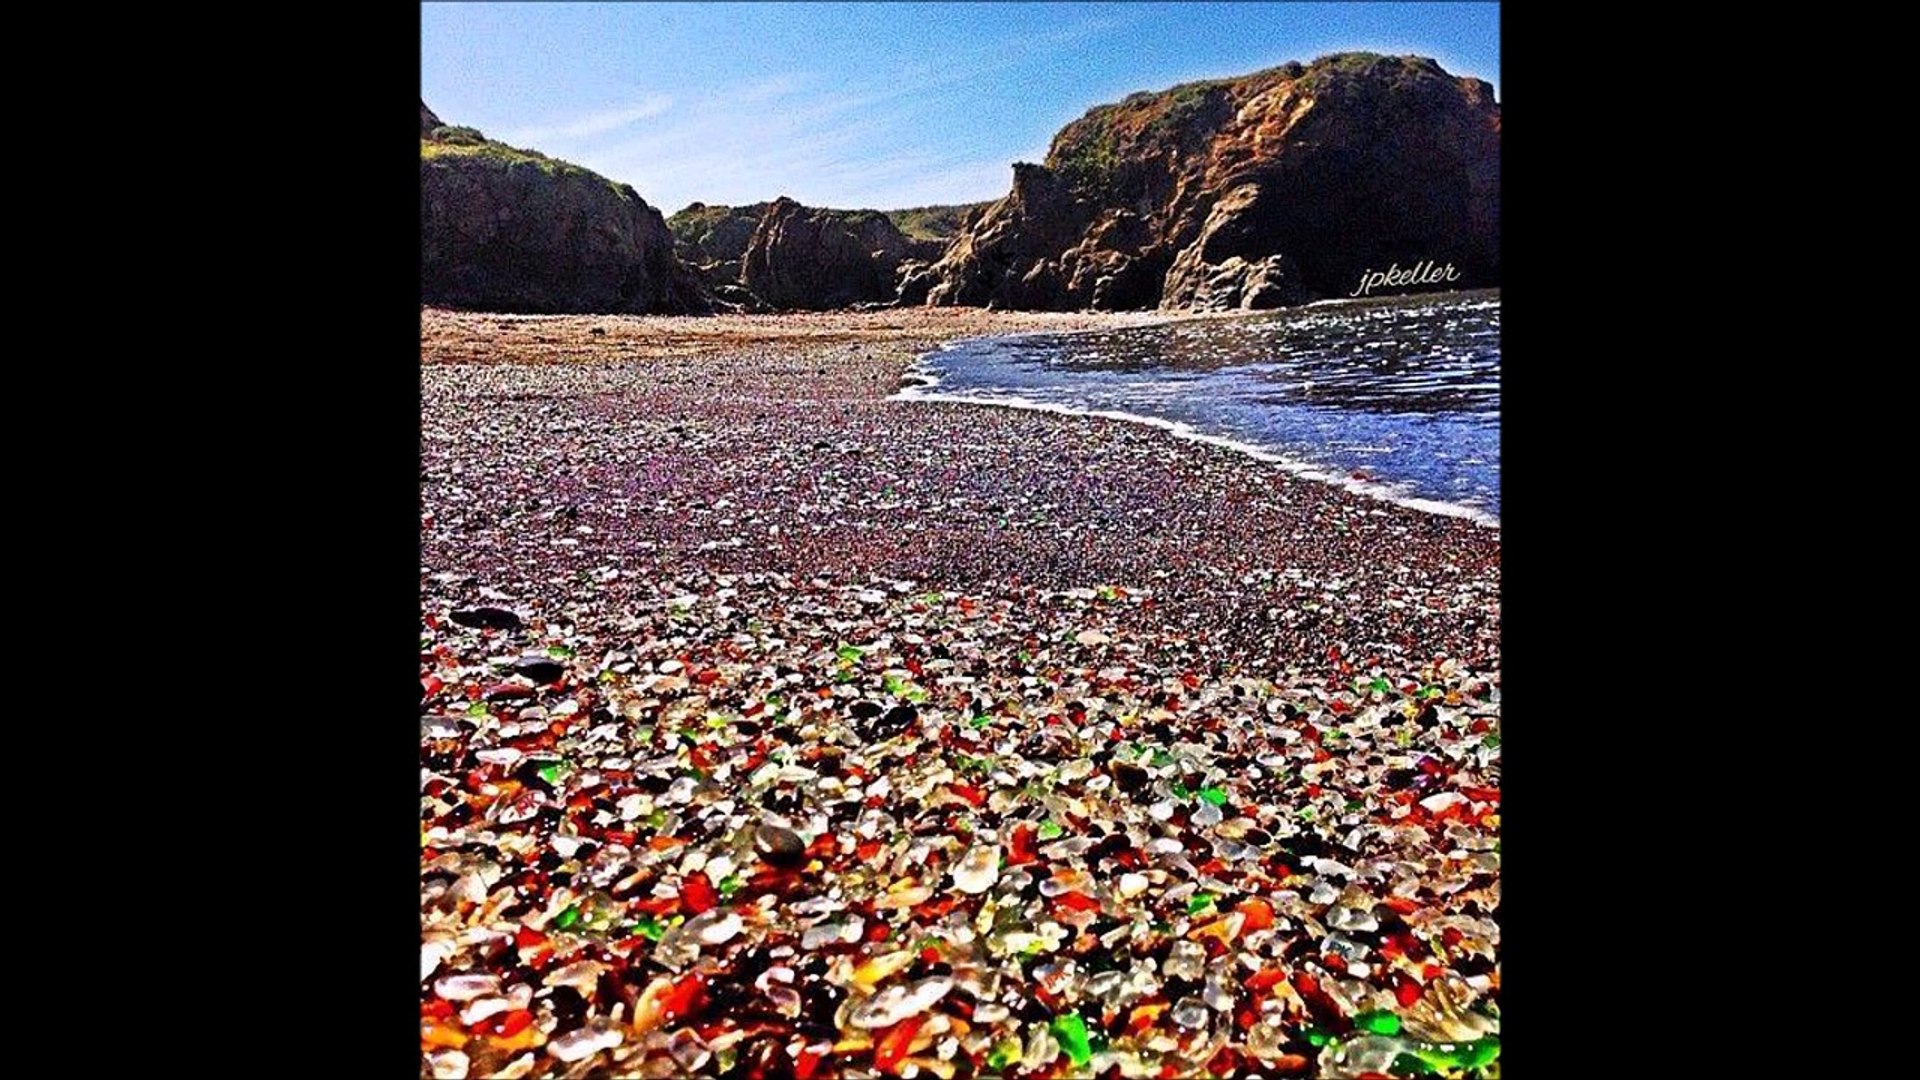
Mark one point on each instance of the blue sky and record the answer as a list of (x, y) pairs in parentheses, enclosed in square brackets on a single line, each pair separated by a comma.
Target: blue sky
[(878, 106)]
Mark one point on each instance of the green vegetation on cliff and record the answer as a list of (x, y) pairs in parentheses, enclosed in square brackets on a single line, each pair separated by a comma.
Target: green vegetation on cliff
[(460, 144), (1087, 153), (501, 153), (933, 222), (698, 219)]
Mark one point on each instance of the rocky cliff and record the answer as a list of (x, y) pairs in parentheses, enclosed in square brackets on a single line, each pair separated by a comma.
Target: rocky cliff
[(712, 242), (785, 255), (713, 239), (801, 257), (503, 229), (1269, 189)]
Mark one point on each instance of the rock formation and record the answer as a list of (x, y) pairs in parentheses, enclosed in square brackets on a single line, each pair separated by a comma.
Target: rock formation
[(712, 242), (767, 256), (1260, 191), (713, 239), (503, 229), (800, 257)]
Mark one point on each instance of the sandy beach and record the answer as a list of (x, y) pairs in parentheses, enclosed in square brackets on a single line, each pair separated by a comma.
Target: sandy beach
[(773, 727)]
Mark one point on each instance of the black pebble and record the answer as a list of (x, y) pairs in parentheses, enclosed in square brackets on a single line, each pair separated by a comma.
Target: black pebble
[(489, 618), (1131, 778), (568, 1006), (779, 847), (540, 669), (819, 1000)]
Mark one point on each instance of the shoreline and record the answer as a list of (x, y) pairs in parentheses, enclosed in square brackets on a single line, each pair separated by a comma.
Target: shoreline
[(921, 384), (928, 390), (770, 718)]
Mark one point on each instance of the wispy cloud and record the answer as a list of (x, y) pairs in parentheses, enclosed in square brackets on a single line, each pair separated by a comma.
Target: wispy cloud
[(826, 138), (770, 88), (595, 123)]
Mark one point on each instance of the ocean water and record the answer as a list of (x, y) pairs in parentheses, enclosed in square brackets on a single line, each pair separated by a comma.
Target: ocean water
[(1397, 397)]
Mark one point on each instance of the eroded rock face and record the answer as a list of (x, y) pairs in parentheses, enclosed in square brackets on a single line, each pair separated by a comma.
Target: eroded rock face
[(916, 280), (1222, 270), (1010, 256), (1270, 189), (713, 240), (428, 121), (809, 257), (503, 229), (814, 259)]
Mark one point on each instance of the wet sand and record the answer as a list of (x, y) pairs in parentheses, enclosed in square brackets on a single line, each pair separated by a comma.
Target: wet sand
[(856, 657)]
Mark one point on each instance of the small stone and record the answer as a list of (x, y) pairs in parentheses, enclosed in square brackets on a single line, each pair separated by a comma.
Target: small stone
[(978, 869), (1379, 1022), (1191, 1014), (896, 1003), (1267, 1040), (582, 1043), (1366, 1054), (466, 987), (1186, 960), (714, 927), (1356, 919), (1130, 778), (898, 721), (487, 618), (779, 847), (687, 1048), (834, 931), (582, 975), (431, 954), (990, 1013), (1072, 1033), (540, 669), (481, 1008)]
